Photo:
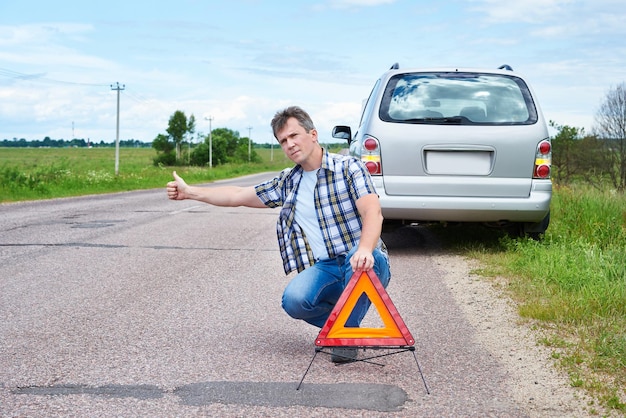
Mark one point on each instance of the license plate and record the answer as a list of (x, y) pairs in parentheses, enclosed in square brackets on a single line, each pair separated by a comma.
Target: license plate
[(459, 163)]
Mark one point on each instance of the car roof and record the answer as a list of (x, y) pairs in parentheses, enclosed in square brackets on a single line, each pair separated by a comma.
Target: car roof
[(504, 69)]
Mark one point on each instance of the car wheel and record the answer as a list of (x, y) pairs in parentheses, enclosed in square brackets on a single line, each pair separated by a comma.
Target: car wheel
[(536, 230)]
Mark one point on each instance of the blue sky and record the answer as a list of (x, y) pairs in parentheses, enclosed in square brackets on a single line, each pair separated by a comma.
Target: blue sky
[(238, 61)]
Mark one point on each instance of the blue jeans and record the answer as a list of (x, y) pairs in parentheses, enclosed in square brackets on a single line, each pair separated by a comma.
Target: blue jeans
[(312, 294)]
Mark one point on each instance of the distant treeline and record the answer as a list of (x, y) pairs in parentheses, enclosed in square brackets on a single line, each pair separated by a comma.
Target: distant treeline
[(48, 142), (127, 143)]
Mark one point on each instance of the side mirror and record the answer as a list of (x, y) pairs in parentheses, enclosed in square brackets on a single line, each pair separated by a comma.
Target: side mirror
[(342, 132)]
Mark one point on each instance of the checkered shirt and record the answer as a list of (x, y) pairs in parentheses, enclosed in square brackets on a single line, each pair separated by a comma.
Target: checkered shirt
[(341, 181)]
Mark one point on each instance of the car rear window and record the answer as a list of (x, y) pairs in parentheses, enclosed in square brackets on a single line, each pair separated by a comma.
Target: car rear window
[(457, 98)]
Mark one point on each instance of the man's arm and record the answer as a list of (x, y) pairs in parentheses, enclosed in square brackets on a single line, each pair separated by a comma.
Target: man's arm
[(372, 221), (218, 196)]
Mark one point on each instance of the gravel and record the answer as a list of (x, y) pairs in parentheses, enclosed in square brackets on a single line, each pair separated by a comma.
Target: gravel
[(537, 384)]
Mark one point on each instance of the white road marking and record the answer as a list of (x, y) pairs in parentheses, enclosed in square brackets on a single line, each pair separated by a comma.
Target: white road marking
[(176, 212)]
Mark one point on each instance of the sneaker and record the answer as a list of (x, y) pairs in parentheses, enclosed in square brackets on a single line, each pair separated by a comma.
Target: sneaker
[(343, 354)]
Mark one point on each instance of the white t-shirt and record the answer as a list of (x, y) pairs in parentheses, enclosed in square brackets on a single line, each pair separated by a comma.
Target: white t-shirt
[(306, 216)]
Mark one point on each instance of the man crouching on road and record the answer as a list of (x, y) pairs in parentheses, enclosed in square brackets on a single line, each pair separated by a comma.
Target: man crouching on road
[(329, 225)]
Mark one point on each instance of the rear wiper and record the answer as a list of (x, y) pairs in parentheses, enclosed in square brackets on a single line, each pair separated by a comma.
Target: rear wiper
[(453, 120)]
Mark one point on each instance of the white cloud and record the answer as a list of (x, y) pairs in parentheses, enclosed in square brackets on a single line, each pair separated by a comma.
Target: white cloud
[(530, 11), (361, 2), (41, 33), (344, 4)]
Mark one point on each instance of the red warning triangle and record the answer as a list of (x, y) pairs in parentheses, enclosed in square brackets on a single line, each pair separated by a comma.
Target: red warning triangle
[(335, 333)]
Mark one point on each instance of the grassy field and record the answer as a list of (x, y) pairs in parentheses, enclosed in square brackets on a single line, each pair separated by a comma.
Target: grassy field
[(39, 173), (571, 285)]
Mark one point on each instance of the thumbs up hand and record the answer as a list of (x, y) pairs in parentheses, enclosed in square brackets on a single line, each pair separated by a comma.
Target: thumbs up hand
[(177, 189)]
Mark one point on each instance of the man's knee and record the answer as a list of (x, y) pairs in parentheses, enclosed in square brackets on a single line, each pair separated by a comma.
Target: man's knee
[(292, 302)]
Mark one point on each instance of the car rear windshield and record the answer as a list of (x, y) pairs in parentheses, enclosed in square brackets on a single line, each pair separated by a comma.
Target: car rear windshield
[(458, 98)]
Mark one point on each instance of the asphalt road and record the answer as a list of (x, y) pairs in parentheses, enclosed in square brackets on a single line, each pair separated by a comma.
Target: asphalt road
[(133, 305)]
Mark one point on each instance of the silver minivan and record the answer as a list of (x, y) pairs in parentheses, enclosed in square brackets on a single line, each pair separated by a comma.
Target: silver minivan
[(456, 145)]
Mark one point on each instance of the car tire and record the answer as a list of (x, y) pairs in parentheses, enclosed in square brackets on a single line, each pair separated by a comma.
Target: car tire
[(535, 230)]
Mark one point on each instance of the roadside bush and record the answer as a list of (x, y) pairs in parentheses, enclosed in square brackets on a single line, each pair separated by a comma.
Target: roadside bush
[(167, 159)]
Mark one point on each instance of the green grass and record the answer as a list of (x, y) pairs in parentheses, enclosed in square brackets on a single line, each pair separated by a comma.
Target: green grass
[(40, 173)]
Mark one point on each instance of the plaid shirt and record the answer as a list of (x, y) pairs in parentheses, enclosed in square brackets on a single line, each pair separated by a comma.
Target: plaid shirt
[(341, 181)]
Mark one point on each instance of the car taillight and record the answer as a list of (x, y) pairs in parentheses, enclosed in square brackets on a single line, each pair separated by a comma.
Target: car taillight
[(545, 147), (370, 144), (543, 160), (370, 155)]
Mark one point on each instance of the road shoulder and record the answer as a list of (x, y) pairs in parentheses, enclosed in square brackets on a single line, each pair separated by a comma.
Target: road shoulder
[(536, 383)]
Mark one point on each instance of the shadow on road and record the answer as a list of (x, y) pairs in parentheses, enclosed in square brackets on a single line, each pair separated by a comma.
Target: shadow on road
[(438, 239), (411, 239)]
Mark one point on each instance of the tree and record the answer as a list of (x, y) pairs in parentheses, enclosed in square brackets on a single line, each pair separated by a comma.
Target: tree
[(590, 160), (224, 146), (228, 147), (163, 144), (241, 154), (191, 125), (610, 128), (178, 127), (563, 151), (577, 156)]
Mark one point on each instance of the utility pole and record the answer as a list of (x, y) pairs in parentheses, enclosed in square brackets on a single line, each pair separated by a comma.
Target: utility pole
[(249, 143), (210, 119), (117, 128)]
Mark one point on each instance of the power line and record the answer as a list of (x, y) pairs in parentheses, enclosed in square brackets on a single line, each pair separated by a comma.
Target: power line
[(40, 77), (132, 94)]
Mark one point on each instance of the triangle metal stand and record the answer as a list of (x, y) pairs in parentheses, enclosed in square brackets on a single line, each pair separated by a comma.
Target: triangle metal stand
[(398, 350)]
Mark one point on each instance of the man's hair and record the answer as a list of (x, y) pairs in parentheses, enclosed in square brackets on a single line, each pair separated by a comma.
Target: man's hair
[(281, 117)]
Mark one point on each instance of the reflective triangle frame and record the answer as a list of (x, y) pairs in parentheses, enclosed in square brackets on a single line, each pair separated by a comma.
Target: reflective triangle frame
[(394, 333)]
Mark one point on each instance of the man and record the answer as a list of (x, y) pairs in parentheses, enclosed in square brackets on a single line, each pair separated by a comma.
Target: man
[(329, 225)]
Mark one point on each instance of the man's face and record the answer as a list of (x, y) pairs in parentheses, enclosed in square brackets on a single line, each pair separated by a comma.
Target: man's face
[(297, 143)]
